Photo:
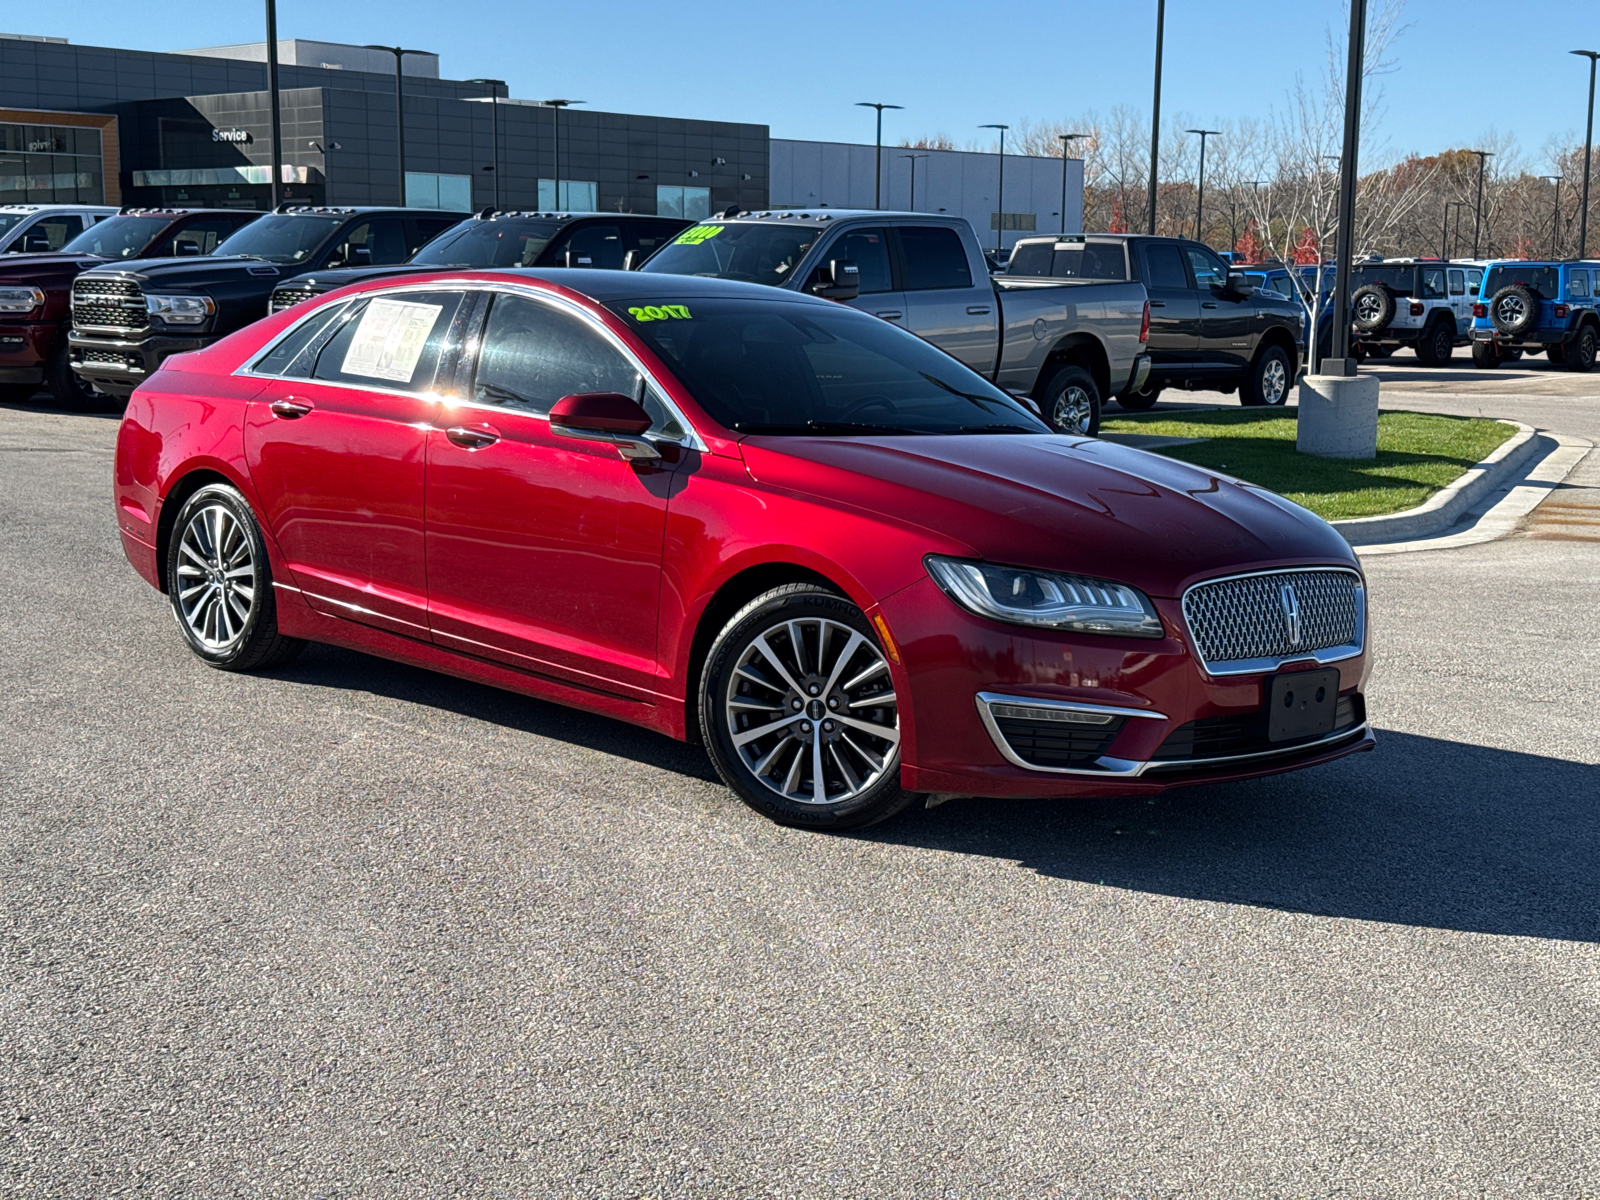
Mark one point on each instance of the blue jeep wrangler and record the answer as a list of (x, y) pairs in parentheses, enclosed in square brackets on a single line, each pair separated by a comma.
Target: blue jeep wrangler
[(1534, 306)]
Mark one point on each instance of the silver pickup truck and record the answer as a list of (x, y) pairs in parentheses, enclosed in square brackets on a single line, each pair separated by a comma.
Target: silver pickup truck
[(1066, 344)]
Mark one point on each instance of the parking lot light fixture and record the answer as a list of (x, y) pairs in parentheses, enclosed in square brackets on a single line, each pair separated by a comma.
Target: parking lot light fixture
[(1200, 188), (1555, 216), (273, 101), (1477, 220), (494, 86), (556, 106), (399, 53), (1000, 198), (913, 157), (1066, 140), (1588, 153), (877, 157)]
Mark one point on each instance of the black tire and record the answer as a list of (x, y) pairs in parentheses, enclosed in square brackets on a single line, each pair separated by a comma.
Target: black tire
[(1437, 343), (733, 699), (1486, 355), (1380, 351), (1269, 380), (1514, 309), (1580, 351), (1373, 307), (197, 557), (1557, 354), (71, 391), (1513, 354), (1141, 401), (1071, 402)]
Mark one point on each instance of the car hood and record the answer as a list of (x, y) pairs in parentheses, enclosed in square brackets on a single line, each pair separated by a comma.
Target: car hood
[(1057, 503), (198, 272), (31, 268), (338, 277)]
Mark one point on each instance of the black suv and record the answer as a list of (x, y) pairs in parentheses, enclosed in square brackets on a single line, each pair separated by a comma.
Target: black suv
[(127, 318), (606, 241), (1210, 329)]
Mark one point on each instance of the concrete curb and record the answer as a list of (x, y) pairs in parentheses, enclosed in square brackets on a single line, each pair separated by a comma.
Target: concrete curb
[(1446, 506)]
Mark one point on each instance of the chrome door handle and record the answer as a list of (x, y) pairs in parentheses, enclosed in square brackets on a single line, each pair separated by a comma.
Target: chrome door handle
[(471, 439), (1209, 304), (978, 310), (289, 409), (1158, 303), (891, 315)]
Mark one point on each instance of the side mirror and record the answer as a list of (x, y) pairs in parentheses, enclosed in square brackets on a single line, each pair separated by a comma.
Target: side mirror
[(632, 260), (839, 279), (609, 417), (1238, 284)]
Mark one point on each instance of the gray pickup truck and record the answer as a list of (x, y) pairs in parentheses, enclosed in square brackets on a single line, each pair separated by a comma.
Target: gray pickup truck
[(1066, 344)]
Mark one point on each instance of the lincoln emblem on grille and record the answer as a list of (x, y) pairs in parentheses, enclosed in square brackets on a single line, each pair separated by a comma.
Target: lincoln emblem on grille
[(1291, 613)]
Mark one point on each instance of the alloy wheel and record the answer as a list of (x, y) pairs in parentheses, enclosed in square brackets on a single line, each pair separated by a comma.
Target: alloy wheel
[(811, 711), (1511, 310), (1074, 411), (1274, 382), (216, 577), (1367, 309)]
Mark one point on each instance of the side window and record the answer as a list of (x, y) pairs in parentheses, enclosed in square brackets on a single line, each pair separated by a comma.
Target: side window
[(199, 237), (869, 250), (1208, 269), (1458, 283), (1163, 266), (49, 233), (648, 236), (393, 342), (1578, 285), (935, 258), (1474, 281), (422, 230), (532, 354), (375, 242), (296, 354), (1432, 283), (595, 246)]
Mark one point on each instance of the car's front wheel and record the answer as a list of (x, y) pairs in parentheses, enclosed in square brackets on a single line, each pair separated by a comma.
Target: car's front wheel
[(220, 584), (799, 713), (1071, 402), (70, 390)]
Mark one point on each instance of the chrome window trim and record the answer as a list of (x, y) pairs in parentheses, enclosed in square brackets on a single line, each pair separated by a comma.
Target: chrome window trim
[(693, 442), (1258, 666)]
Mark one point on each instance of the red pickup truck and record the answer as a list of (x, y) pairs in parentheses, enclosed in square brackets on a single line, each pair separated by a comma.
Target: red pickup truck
[(36, 292)]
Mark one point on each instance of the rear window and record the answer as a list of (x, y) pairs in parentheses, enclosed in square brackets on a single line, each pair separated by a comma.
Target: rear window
[(1089, 260), (1031, 259), (1399, 280), (1545, 281)]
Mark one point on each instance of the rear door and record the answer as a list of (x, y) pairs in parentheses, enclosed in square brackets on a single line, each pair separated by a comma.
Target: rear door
[(1174, 304), (1460, 302), (870, 250), (950, 300)]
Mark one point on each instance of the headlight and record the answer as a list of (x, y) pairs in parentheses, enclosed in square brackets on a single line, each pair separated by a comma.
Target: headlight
[(20, 299), (1045, 599), (180, 310)]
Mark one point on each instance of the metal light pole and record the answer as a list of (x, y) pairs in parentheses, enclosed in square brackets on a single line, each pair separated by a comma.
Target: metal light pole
[(556, 106), (1000, 200), (1477, 221), (913, 158), (494, 86), (1347, 187), (877, 156), (1066, 140), (1555, 215), (272, 93), (1200, 189), (1155, 113), (1456, 244), (399, 53), (1588, 153)]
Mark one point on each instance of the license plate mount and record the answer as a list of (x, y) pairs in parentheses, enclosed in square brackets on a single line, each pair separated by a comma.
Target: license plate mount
[(1302, 705)]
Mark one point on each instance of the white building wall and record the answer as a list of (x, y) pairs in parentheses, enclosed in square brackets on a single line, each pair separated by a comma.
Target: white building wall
[(958, 182)]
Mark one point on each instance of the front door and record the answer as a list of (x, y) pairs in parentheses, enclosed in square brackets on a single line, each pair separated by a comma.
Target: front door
[(544, 552), (951, 304), (336, 447), (869, 250), (1225, 317)]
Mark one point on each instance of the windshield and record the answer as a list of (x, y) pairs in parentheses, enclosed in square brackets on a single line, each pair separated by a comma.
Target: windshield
[(118, 237), (754, 253), (1543, 280), (502, 243), (10, 221), (813, 370), (281, 238), (1398, 279)]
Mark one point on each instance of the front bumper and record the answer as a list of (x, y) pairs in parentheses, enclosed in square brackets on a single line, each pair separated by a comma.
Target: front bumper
[(24, 351), (118, 366), (958, 667)]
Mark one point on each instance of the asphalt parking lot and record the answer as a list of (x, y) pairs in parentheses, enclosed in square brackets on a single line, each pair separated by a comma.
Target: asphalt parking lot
[(356, 930)]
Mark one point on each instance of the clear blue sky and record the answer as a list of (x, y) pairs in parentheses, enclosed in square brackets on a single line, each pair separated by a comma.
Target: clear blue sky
[(1464, 67)]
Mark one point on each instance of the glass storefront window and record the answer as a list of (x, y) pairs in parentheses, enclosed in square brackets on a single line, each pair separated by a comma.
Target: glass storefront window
[(690, 203), (577, 195), (453, 192), (47, 164)]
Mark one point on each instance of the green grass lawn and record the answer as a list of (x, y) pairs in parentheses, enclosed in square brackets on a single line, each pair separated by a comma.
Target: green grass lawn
[(1418, 453)]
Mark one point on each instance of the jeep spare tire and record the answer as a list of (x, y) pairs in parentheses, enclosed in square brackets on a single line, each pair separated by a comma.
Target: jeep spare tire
[(1514, 309), (1373, 305)]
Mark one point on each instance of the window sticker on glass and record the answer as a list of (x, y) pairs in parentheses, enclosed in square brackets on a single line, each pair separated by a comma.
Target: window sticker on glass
[(390, 339), (696, 234), (661, 312)]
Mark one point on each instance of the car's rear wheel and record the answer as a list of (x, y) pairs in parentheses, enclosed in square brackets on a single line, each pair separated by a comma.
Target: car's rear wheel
[(1269, 379), (69, 389), (1436, 344), (1580, 351), (220, 584), (1071, 402), (799, 712), (1485, 355), (1141, 401)]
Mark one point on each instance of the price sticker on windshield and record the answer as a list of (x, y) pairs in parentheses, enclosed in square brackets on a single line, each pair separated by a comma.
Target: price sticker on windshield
[(696, 234), (661, 312)]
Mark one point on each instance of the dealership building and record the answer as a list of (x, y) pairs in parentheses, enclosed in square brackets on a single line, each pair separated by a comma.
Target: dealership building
[(88, 124)]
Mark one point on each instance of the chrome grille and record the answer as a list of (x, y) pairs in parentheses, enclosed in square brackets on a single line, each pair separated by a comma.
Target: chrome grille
[(288, 297), (116, 304), (1251, 623)]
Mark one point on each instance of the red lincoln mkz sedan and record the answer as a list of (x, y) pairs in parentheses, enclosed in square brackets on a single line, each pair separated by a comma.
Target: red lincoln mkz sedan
[(855, 570)]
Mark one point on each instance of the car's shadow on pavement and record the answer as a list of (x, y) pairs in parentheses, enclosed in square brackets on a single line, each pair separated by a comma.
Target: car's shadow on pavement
[(1421, 832)]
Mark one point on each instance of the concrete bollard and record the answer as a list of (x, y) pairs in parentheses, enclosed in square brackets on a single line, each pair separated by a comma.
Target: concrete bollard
[(1338, 416)]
